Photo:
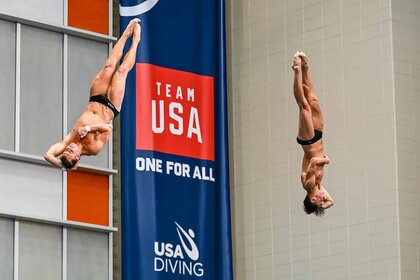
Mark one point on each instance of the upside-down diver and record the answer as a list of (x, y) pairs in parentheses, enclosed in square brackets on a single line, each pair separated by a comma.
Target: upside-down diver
[(92, 130), (311, 123)]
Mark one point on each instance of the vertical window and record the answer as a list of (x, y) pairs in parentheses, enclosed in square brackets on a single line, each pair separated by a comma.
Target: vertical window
[(87, 255), (41, 90), (7, 82), (6, 251), (85, 59), (40, 252)]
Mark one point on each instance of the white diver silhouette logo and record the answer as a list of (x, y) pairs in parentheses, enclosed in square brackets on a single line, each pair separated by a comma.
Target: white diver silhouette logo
[(193, 252), (129, 11)]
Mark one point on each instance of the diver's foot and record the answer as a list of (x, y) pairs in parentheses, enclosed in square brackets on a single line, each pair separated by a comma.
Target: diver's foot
[(131, 26), (304, 58), (297, 62), (137, 33)]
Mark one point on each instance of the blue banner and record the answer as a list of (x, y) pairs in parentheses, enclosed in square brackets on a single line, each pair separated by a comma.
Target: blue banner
[(174, 152)]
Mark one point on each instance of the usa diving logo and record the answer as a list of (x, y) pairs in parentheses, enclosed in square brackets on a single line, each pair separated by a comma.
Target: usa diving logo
[(181, 258)]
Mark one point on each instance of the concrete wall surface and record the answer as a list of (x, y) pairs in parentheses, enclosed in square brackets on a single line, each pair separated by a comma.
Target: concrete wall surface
[(363, 56)]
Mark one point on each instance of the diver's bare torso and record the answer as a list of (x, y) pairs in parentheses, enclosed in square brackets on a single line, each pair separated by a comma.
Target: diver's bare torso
[(92, 143), (311, 151)]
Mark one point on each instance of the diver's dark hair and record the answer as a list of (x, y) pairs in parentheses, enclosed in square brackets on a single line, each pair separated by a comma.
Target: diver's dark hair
[(68, 165), (310, 207)]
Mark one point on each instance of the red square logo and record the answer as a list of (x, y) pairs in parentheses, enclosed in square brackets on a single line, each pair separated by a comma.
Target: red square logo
[(174, 112)]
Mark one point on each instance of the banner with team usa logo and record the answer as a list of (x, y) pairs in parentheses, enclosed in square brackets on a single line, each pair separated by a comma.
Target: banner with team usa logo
[(174, 153)]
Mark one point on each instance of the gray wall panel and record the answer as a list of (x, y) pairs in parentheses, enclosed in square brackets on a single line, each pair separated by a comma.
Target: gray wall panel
[(30, 189), (39, 10), (406, 67), (40, 251), (87, 255), (6, 249), (41, 90), (85, 59), (7, 84), (348, 45)]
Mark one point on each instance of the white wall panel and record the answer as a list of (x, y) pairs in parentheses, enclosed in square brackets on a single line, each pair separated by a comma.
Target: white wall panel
[(50, 11), (30, 189)]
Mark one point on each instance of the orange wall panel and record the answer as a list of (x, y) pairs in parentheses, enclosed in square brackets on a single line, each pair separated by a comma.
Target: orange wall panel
[(89, 15), (87, 198)]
